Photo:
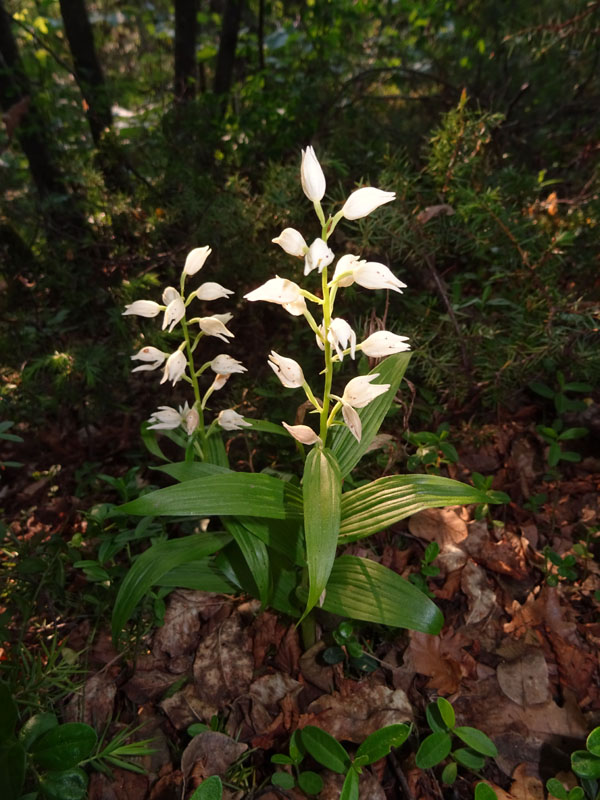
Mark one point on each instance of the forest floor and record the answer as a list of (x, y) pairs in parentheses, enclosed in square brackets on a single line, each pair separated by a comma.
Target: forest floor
[(517, 657)]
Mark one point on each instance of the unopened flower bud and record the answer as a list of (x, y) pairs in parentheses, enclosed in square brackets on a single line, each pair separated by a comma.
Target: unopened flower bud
[(195, 259), (363, 201), (311, 176), (292, 242)]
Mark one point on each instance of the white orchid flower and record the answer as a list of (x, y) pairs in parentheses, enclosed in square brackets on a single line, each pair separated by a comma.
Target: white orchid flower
[(363, 201), (282, 292), (311, 176), (319, 256), (230, 420), (195, 259), (212, 291), (384, 343), (142, 308), (175, 310), (372, 275), (292, 242), (353, 421), (212, 326), (287, 370), (226, 365), (150, 354), (359, 391), (302, 433), (344, 270), (224, 318), (340, 335), (175, 367), (219, 382), (165, 419)]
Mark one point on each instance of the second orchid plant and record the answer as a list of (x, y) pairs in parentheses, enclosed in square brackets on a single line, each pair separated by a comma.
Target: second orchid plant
[(279, 539)]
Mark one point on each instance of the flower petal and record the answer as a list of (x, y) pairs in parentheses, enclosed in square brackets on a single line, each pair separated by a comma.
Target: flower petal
[(302, 433)]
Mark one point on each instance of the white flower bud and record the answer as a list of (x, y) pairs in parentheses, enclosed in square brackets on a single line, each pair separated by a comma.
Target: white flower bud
[(359, 392), (190, 419), (311, 176), (195, 259), (372, 275), (319, 256), (302, 433), (292, 242), (384, 343), (175, 310), (212, 291), (212, 326), (151, 354), (287, 370), (363, 201), (352, 420), (142, 308), (175, 367), (165, 419), (230, 420), (226, 365), (277, 290)]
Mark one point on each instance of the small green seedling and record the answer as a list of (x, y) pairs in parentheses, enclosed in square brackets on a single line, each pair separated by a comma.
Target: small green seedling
[(348, 650), (426, 570), (555, 436), (5, 426), (562, 402), (432, 449), (535, 502), (328, 752), (566, 568), (485, 483), (586, 765), (437, 747)]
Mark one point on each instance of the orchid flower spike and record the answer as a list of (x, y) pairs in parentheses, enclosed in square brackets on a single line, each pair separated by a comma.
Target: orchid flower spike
[(311, 176)]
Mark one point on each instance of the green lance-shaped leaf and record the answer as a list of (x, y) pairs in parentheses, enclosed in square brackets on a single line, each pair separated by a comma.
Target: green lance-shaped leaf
[(321, 489), (379, 744), (446, 712), (226, 494), (433, 750), (201, 575), (381, 503), (255, 553), (155, 562), (12, 768), (64, 746), (476, 740), (325, 749), (350, 786), (362, 589), (188, 471), (344, 447)]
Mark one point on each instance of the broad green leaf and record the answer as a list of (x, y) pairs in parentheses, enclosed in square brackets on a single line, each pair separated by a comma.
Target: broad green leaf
[(214, 450), (585, 764), (321, 489), (325, 749), (227, 494), (310, 782), (64, 746), (593, 742), (433, 749), (67, 784), (467, 757), (35, 727), (281, 758), (556, 789), (362, 589), (477, 740), (201, 575), (379, 744), (284, 536), (446, 712), (150, 441), (350, 786), (542, 390), (12, 768), (381, 503), (264, 426), (483, 791), (256, 555), (8, 712), (184, 471), (449, 773), (573, 433), (210, 789), (154, 563), (344, 446)]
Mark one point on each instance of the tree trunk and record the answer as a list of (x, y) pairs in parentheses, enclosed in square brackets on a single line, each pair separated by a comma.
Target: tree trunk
[(186, 27), (227, 46), (86, 66)]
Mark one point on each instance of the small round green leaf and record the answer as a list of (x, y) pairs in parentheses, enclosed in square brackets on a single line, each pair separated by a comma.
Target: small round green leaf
[(64, 746), (209, 789), (325, 749), (593, 742), (446, 712), (477, 740), (310, 782), (379, 744), (556, 789), (585, 764), (333, 655), (35, 727), (485, 792), (449, 773), (284, 780), (576, 793), (469, 758), (68, 784), (280, 758), (434, 749)]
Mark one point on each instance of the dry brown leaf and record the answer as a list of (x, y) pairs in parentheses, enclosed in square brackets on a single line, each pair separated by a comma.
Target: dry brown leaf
[(447, 527), (185, 707), (442, 658), (210, 753), (526, 786), (124, 785), (180, 632), (311, 670), (431, 212), (223, 665), (482, 599), (525, 679), (506, 557), (94, 704), (287, 658)]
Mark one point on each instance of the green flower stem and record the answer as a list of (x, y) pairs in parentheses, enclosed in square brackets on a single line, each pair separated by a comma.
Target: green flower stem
[(196, 341), (331, 224), (320, 213), (313, 324), (333, 414), (311, 397), (194, 379), (312, 297), (328, 361), (203, 368)]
